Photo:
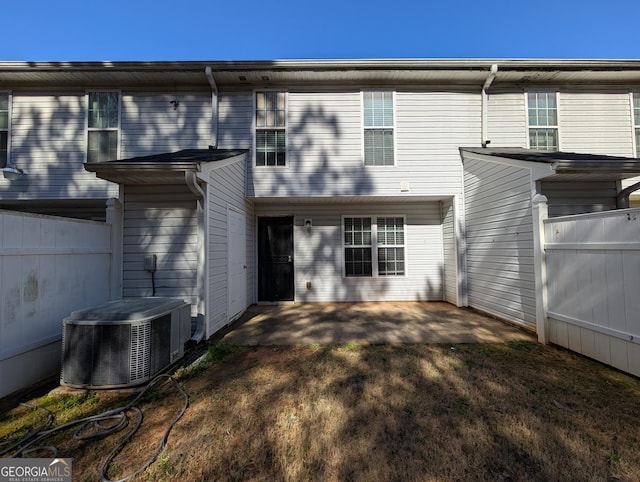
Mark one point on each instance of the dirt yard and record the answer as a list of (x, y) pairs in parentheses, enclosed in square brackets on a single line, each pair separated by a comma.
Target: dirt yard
[(516, 411)]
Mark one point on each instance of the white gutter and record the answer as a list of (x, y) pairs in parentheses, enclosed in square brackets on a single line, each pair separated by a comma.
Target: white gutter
[(201, 279), (214, 106), (487, 83)]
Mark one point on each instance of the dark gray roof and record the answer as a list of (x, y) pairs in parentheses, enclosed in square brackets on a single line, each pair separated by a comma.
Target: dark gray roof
[(522, 154), (565, 163), (186, 155), (166, 168)]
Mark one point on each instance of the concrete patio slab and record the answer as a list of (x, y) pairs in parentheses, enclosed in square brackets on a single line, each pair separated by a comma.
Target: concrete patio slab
[(368, 323)]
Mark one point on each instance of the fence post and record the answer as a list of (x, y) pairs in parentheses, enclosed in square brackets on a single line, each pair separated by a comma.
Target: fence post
[(540, 212), (115, 219)]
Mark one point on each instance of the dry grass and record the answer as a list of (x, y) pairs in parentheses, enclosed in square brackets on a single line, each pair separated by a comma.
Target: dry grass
[(515, 411)]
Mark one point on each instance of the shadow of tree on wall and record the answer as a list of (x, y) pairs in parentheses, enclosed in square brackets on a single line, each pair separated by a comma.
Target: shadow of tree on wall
[(48, 136), (324, 179)]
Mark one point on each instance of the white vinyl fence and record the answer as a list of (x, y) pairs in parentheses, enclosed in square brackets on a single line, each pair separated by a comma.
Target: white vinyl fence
[(593, 281), (49, 267)]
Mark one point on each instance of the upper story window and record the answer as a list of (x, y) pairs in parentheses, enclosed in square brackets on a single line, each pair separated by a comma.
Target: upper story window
[(271, 128), (4, 129), (374, 246), (543, 120), (636, 121), (378, 123), (103, 126)]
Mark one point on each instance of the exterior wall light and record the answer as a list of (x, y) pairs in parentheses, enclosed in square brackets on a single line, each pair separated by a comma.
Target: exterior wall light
[(307, 224), (12, 172)]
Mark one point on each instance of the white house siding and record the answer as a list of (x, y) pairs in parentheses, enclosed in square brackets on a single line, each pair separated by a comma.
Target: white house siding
[(318, 253), (449, 252), (161, 220), (566, 198), (48, 136), (324, 144), (500, 265), (151, 125), (431, 126), (225, 188), (596, 123), (507, 119), (235, 121)]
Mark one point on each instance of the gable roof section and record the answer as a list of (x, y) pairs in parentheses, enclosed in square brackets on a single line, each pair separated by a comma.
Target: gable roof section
[(165, 168), (558, 165)]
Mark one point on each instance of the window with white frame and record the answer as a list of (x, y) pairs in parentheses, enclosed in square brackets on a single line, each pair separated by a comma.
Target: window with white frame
[(103, 126), (4, 129), (543, 120), (374, 246), (636, 121), (378, 123), (390, 246), (271, 129)]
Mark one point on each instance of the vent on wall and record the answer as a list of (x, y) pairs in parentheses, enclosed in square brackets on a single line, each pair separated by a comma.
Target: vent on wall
[(123, 343)]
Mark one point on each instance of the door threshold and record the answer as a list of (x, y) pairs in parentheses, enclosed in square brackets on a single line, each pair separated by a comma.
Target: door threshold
[(267, 303)]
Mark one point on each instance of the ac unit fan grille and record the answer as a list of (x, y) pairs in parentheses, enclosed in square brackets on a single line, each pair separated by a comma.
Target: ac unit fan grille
[(97, 354)]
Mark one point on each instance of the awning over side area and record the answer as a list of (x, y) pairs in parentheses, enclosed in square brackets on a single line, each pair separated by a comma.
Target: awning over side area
[(558, 165), (166, 168)]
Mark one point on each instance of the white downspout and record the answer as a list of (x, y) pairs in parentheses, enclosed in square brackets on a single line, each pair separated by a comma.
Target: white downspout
[(214, 106), (487, 83), (192, 183)]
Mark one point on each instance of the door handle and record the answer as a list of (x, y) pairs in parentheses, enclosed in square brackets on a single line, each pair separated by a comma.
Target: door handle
[(289, 259)]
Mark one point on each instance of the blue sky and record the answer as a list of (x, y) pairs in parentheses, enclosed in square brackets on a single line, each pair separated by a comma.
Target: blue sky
[(39, 30)]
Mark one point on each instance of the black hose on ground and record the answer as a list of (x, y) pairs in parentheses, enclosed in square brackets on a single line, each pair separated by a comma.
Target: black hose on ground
[(103, 424)]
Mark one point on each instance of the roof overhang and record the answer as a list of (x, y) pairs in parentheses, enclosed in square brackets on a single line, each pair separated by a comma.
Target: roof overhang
[(559, 166), (470, 72), (167, 168), (364, 199)]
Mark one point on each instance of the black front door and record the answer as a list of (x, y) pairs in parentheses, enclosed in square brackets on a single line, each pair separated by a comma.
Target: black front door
[(275, 259)]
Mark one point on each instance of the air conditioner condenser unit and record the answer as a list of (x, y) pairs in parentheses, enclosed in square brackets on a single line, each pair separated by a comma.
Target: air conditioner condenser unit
[(124, 342)]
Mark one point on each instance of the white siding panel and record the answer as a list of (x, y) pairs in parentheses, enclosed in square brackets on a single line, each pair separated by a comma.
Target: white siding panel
[(507, 119), (596, 123), (160, 220), (318, 255), (150, 124), (566, 198), (235, 120), (449, 252), (226, 187), (499, 241), (48, 137), (325, 146)]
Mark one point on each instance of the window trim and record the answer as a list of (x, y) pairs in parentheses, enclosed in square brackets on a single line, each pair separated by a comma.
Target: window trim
[(255, 129), (375, 245), (635, 127), (9, 95), (88, 129), (556, 93), (393, 129)]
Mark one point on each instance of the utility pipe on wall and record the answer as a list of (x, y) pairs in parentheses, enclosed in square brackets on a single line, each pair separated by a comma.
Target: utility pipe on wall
[(623, 196), (487, 83), (214, 106), (191, 180)]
